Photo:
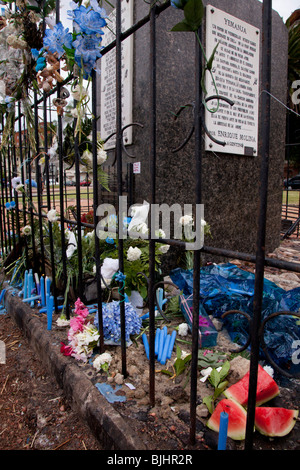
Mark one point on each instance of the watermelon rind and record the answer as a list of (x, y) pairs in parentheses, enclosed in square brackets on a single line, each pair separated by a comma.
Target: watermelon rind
[(267, 388), (237, 417), (275, 421)]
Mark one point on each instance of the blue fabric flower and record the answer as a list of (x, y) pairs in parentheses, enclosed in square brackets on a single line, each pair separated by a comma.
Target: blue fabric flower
[(57, 38), (10, 205), (40, 64), (87, 21), (110, 240), (179, 3), (87, 51)]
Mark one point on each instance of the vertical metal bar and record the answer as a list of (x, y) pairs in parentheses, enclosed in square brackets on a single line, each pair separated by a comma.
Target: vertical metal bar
[(120, 175), (261, 235), (78, 213), (13, 213), (61, 186), (152, 161), (22, 173), (5, 162), (197, 253), (4, 239), (15, 192), (95, 205), (48, 198), (39, 181)]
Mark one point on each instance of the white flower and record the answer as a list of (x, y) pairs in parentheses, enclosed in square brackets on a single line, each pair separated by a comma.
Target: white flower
[(90, 234), (269, 370), (183, 329), (164, 248), (109, 267), (26, 230), (79, 93), (62, 322), (133, 254), (101, 156), (16, 181), (102, 360), (186, 219), (19, 187), (52, 215), (184, 354), (15, 42)]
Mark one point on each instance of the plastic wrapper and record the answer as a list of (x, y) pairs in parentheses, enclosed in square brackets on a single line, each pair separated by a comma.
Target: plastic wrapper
[(226, 287)]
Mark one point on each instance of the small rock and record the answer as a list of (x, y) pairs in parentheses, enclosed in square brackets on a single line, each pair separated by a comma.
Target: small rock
[(239, 366), (140, 393), (133, 370), (119, 378), (202, 411), (177, 393)]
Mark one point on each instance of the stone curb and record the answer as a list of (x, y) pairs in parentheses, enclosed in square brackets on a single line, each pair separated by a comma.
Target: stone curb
[(105, 422)]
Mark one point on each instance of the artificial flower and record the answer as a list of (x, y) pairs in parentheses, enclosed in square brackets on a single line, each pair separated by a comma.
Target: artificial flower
[(133, 254), (87, 51), (57, 39), (180, 4), (102, 361), (26, 230), (86, 20), (186, 220), (16, 181), (101, 156), (164, 248), (183, 329), (79, 93), (52, 215), (109, 267)]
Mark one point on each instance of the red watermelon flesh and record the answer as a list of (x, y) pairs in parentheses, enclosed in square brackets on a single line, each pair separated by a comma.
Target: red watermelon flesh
[(237, 417), (275, 422), (267, 388)]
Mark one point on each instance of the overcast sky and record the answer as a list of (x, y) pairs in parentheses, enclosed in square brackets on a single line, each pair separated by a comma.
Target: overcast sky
[(285, 7)]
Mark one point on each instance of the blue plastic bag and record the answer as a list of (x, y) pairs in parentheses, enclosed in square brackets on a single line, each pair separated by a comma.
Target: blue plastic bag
[(226, 287)]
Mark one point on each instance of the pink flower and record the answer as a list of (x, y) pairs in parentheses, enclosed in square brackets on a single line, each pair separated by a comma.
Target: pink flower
[(66, 350)]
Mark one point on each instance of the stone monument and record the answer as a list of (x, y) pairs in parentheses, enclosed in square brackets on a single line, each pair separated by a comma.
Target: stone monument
[(231, 173)]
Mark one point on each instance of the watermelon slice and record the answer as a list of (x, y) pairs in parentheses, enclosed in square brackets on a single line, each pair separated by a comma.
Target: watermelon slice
[(267, 388), (275, 421), (237, 417)]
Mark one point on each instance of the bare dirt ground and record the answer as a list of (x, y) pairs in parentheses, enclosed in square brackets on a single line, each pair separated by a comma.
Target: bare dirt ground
[(35, 414)]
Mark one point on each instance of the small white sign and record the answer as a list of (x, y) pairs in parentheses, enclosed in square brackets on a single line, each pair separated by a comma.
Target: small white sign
[(108, 78), (137, 168), (236, 76)]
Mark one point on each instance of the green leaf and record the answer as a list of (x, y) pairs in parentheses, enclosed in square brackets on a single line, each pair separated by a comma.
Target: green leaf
[(209, 402), (211, 59), (182, 26), (220, 388), (224, 371), (193, 13), (167, 372), (214, 378)]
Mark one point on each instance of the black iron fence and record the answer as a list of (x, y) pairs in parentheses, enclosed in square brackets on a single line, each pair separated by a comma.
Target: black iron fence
[(37, 191)]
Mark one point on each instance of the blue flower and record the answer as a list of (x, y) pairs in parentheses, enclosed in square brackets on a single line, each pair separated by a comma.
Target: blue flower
[(10, 205), (40, 64), (87, 51), (112, 321), (179, 3), (86, 20), (110, 240), (57, 38)]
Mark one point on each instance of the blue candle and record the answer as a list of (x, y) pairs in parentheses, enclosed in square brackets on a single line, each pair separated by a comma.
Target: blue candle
[(43, 298), (156, 344), (49, 312), (32, 299), (162, 337), (146, 345), (223, 431), (48, 284), (171, 345), (25, 285), (165, 350)]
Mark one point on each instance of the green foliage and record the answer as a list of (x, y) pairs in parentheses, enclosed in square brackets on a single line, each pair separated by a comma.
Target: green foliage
[(216, 379), (193, 14), (179, 365)]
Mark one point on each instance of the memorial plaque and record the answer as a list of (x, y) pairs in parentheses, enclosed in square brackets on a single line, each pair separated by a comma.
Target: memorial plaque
[(236, 75), (108, 78)]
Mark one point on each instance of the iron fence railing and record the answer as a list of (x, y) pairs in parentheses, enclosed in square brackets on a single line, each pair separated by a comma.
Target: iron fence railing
[(48, 189)]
